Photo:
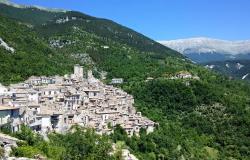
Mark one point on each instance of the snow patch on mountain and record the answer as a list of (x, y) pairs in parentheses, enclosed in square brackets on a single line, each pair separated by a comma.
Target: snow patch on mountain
[(208, 45), (6, 46), (245, 76), (239, 66), (210, 66)]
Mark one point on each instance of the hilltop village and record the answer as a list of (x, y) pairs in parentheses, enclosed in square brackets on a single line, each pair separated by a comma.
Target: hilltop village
[(47, 104)]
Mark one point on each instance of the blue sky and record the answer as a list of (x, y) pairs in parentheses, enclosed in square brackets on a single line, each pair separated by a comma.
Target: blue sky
[(167, 19)]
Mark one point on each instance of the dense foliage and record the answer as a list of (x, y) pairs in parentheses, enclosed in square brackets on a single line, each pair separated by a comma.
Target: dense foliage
[(198, 119), (207, 122), (77, 144), (32, 55)]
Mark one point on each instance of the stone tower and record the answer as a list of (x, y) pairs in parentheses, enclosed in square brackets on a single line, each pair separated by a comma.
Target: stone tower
[(90, 74), (78, 71)]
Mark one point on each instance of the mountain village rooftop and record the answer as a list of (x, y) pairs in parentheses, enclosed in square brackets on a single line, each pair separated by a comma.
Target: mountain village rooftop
[(56, 103)]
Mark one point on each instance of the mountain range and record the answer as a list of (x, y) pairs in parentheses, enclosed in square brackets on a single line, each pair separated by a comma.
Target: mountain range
[(202, 50), (219, 55), (206, 117)]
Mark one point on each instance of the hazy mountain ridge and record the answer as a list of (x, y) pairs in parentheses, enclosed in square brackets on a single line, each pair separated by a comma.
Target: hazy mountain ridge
[(9, 3), (209, 45), (208, 49)]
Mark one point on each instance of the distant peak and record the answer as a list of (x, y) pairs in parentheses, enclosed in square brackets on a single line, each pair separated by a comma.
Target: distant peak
[(7, 2), (4, 1), (204, 45), (203, 39)]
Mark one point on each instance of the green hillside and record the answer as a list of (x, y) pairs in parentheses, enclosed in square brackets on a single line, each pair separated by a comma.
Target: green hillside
[(101, 27), (29, 15), (202, 119), (32, 55)]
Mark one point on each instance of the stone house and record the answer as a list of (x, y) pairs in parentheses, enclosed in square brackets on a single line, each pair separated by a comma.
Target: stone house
[(3, 90), (117, 81), (10, 115), (184, 75)]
